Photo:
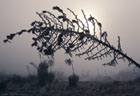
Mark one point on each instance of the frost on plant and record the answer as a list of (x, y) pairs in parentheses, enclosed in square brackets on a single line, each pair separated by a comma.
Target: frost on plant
[(54, 32)]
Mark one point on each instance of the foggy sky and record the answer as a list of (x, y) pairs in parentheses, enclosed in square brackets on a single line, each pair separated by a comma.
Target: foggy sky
[(118, 17)]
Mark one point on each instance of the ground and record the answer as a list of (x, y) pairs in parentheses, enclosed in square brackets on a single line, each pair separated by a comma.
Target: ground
[(84, 88)]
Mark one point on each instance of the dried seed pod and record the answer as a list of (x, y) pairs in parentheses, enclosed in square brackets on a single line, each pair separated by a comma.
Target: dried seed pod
[(34, 44), (11, 36), (5, 41), (44, 11), (99, 24), (58, 9), (91, 18), (74, 21)]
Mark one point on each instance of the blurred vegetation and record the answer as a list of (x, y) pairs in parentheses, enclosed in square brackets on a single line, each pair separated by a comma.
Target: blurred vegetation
[(73, 80)]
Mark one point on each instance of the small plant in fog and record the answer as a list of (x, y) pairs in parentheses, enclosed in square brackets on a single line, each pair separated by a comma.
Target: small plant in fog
[(43, 74), (70, 63), (73, 79)]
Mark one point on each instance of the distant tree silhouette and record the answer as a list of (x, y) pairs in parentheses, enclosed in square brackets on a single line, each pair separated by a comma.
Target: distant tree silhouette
[(54, 32)]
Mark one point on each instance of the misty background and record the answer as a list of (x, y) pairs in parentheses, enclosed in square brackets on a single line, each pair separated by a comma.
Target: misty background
[(118, 17)]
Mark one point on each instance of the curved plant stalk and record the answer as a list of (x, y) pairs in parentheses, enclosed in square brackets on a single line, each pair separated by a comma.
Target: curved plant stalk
[(70, 63), (54, 32)]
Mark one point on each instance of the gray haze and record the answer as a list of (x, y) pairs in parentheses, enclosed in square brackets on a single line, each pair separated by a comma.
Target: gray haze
[(119, 17)]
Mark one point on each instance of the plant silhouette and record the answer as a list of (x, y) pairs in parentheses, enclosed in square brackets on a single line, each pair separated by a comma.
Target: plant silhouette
[(54, 32), (70, 63), (73, 79), (43, 74)]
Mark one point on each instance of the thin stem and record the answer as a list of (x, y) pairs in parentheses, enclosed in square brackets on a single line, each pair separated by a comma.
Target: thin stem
[(73, 69)]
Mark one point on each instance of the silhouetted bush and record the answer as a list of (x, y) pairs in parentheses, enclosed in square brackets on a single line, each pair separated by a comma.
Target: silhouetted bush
[(73, 80), (42, 74), (44, 77)]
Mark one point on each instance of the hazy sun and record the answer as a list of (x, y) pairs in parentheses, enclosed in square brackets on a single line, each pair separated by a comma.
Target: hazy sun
[(90, 25)]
